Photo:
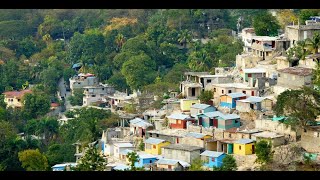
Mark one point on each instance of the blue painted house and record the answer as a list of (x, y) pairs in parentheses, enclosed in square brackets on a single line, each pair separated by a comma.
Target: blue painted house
[(212, 158), (229, 100), (219, 120), (201, 108), (146, 160)]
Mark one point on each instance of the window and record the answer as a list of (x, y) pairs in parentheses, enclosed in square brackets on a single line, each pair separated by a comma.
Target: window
[(150, 161), (278, 75), (229, 91), (222, 91), (169, 166), (157, 135), (240, 147), (236, 121), (213, 159), (93, 95), (18, 100), (102, 89), (193, 103), (244, 92), (214, 89), (154, 146), (200, 111), (87, 89), (208, 80), (304, 130), (229, 135), (150, 134), (79, 83), (249, 75)]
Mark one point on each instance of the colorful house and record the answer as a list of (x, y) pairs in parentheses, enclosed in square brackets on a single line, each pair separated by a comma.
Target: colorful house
[(229, 100), (185, 104), (181, 152), (179, 121), (145, 160), (219, 120), (212, 158), (14, 98), (120, 146), (153, 145), (171, 165), (253, 73), (201, 108), (225, 145), (244, 147), (139, 127)]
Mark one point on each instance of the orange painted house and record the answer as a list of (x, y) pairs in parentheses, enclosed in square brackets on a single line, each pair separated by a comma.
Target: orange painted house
[(179, 121)]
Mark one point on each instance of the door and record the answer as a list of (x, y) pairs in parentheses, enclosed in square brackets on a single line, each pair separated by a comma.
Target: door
[(200, 121), (210, 122), (230, 148), (193, 91), (252, 149), (251, 106), (215, 123), (252, 93)]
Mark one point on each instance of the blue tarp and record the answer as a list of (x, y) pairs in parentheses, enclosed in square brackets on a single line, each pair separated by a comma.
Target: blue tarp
[(77, 65)]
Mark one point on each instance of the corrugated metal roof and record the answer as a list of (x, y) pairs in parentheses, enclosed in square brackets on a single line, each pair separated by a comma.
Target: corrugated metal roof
[(253, 99), (200, 106), (244, 141), (123, 144), (236, 95), (195, 135), (64, 165), (135, 120), (211, 153), (167, 161), (139, 122), (221, 115), (154, 141), (121, 167), (126, 151), (146, 156), (300, 71), (254, 70), (178, 116)]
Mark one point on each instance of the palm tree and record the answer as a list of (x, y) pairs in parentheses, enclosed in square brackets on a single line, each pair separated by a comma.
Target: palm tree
[(184, 37), (314, 43), (302, 52), (120, 40), (47, 39), (199, 61)]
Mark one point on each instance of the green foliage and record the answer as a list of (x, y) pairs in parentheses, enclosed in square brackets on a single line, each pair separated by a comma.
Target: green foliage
[(139, 71), (14, 29), (133, 157), (196, 165), (206, 96), (265, 24), (130, 108), (302, 106), (314, 43), (91, 161), (118, 81), (315, 78), (33, 160), (229, 163), (36, 104), (141, 146), (263, 150), (176, 74), (69, 114), (77, 98)]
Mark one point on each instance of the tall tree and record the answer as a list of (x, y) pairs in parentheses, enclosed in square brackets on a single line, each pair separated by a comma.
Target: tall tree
[(133, 157), (120, 40), (196, 165), (184, 37), (265, 24), (206, 96), (314, 43), (36, 104), (229, 163), (33, 160), (263, 150)]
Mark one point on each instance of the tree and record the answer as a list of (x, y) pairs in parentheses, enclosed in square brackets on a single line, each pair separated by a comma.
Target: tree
[(305, 14), (316, 77), (184, 37), (91, 161), (133, 157), (77, 98), (36, 104), (141, 145), (229, 163), (175, 75), (118, 81), (263, 150), (265, 24), (33, 160), (199, 61), (206, 96), (286, 17), (302, 106), (196, 165), (314, 43), (120, 40), (139, 71)]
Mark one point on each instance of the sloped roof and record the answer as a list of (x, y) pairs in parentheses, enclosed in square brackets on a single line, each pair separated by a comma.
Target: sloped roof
[(154, 141), (236, 95), (123, 144), (135, 120), (64, 165), (195, 135), (221, 115), (253, 99), (244, 141), (200, 106), (300, 71), (146, 156), (121, 167), (211, 153), (172, 162), (17, 94), (140, 122), (126, 151), (178, 116)]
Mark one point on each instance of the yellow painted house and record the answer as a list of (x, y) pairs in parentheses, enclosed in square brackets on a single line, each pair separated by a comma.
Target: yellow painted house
[(185, 104), (153, 145), (243, 147), (14, 98)]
